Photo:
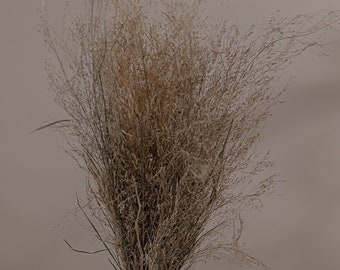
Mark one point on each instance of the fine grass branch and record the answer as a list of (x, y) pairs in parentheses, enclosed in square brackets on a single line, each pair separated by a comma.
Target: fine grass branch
[(166, 112)]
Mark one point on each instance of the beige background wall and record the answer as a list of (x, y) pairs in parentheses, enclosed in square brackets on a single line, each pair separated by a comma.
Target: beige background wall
[(299, 229)]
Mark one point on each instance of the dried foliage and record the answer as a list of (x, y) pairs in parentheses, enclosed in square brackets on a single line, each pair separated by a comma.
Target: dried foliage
[(165, 110)]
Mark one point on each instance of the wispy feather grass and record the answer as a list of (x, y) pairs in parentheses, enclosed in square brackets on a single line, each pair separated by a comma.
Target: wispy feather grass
[(164, 114)]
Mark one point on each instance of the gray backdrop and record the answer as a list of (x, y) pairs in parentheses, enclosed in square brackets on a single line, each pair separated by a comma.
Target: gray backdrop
[(298, 229)]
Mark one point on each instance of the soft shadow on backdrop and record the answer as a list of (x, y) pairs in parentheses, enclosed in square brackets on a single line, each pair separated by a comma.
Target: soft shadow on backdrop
[(298, 229)]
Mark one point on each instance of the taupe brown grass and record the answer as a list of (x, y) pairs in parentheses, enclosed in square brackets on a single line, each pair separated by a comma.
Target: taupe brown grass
[(164, 115)]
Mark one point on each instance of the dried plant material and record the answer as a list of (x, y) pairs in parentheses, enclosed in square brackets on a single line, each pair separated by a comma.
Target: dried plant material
[(165, 111)]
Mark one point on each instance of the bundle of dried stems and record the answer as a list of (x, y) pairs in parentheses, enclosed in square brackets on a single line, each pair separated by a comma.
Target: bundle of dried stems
[(165, 111)]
